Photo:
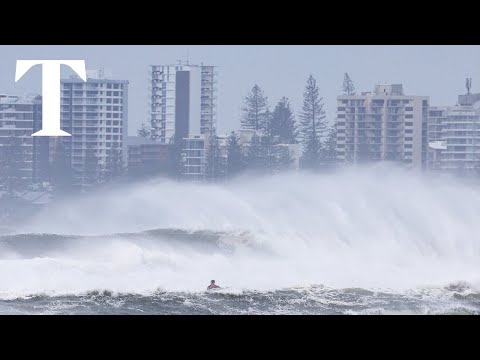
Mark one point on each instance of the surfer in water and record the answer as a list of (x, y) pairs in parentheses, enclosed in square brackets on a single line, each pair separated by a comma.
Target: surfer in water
[(212, 285)]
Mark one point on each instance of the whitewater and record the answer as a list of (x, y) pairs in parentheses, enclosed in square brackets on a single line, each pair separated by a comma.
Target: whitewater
[(370, 240)]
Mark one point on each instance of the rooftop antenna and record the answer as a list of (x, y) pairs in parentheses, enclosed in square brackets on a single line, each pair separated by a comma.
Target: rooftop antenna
[(468, 84), (101, 72), (188, 55)]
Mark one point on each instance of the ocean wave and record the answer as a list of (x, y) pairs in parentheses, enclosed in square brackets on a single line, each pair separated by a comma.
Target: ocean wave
[(381, 228), (310, 300)]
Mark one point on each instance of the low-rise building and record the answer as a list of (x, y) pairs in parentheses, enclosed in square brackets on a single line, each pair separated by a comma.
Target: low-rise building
[(147, 158), (194, 157)]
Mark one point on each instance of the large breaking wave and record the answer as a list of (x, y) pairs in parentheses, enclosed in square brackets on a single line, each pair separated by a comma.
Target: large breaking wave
[(379, 227)]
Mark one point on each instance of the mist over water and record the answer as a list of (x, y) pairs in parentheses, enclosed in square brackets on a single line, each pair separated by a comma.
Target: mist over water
[(372, 228)]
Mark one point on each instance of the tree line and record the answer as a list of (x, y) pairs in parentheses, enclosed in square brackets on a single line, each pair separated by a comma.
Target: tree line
[(17, 167), (278, 127)]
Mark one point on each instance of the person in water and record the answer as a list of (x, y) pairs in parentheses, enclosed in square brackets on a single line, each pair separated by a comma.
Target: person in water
[(212, 285)]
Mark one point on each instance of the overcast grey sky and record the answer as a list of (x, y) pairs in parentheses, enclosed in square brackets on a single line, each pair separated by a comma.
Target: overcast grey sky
[(436, 71)]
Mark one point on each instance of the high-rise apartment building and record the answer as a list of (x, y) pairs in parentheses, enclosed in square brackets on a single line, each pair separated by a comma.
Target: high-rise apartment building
[(20, 116), (182, 100), (383, 125), (454, 135), (95, 113)]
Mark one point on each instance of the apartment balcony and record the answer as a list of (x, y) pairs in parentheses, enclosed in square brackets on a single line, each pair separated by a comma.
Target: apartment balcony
[(450, 144), (446, 152), (95, 126), (209, 73), (460, 137)]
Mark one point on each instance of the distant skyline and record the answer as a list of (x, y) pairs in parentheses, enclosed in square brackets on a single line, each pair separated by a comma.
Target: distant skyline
[(435, 71)]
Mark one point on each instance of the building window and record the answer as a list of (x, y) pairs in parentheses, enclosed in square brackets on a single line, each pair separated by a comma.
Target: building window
[(408, 108), (408, 123), (408, 116), (408, 146), (109, 93), (408, 139)]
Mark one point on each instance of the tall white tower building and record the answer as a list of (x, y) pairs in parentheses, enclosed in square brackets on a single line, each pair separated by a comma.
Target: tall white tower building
[(183, 100)]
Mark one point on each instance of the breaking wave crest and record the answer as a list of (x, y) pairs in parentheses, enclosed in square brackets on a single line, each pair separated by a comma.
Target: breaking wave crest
[(370, 228)]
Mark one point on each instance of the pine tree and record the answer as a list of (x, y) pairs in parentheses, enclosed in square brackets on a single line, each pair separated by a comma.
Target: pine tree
[(12, 162), (91, 168), (254, 109), (267, 141), (235, 155), (177, 160), (283, 123), (267, 131), (311, 153), (257, 156), (144, 132), (215, 163), (348, 87), (114, 165), (62, 174), (329, 155), (313, 124)]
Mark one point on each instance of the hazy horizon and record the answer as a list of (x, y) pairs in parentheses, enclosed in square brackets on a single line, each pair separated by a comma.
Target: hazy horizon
[(280, 70)]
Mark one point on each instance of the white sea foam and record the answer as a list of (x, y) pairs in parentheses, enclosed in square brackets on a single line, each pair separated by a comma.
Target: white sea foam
[(379, 227)]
